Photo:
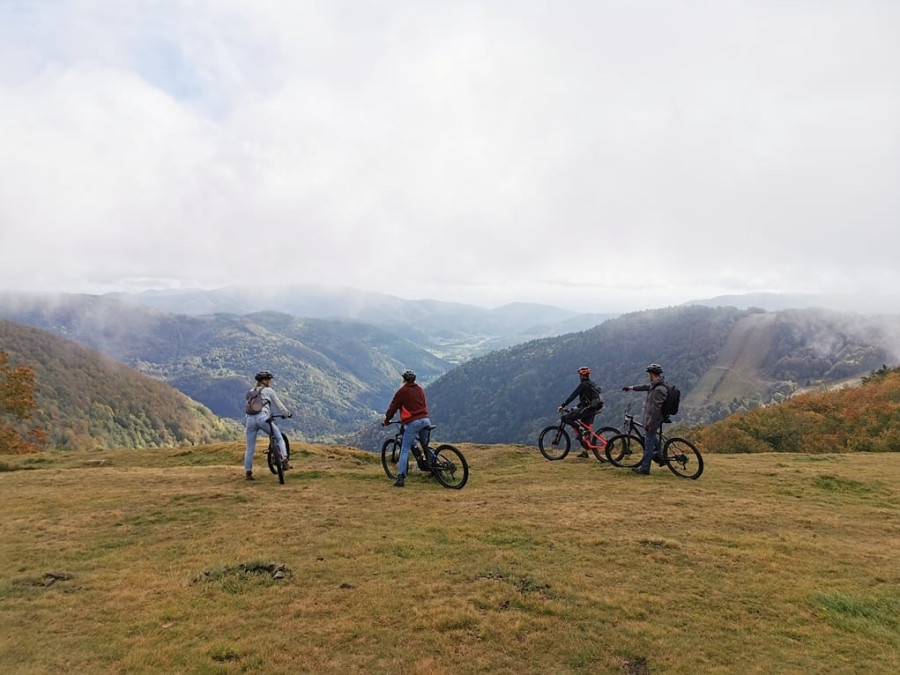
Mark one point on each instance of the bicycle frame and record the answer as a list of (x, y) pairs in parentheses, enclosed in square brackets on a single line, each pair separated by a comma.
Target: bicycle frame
[(632, 426), (585, 432)]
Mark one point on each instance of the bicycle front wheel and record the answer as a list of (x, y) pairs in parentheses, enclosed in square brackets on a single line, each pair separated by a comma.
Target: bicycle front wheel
[(606, 433), (554, 442), (450, 467), (272, 454), (683, 458), (390, 455), (624, 450), (273, 458)]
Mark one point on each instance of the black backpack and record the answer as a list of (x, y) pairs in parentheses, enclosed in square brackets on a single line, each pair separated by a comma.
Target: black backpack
[(673, 400), (597, 401)]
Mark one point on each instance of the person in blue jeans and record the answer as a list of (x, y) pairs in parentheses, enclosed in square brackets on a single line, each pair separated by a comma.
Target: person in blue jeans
[(256, 422), (409, 400), (652, 419)]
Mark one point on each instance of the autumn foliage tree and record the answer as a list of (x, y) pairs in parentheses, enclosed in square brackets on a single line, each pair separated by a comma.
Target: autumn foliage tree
[(17, 402)]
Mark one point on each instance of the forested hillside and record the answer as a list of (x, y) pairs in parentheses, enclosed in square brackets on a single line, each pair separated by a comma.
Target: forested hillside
[(87, 400), (508, 396), (333, 374), (864, 418)]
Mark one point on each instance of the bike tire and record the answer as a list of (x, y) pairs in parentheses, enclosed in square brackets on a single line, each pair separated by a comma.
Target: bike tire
[(280, 468), (607, 433), (624, 450), (273, 459), (683, 458), (272, 453), (450, 467), (390, 456), (559, 449)]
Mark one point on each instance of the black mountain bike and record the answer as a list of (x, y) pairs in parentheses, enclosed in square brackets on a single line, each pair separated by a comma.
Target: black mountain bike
[(555, 442), (679, 454), (445, 462), (273, 456)]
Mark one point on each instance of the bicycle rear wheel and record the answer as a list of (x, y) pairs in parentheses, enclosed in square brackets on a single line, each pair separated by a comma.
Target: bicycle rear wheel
[(554, 442), (683, 458), (450, 467), (606, 433), (624, 450), (390, 456)]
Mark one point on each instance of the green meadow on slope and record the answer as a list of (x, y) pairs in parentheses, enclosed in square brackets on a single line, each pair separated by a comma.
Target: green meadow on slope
[(160, 561)]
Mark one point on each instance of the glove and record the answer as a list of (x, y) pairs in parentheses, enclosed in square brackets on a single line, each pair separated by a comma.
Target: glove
[(559, 409), (626, 388), (290, 414)]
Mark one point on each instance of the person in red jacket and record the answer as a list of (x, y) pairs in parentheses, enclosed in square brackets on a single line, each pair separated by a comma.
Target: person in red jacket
[(410, 401)]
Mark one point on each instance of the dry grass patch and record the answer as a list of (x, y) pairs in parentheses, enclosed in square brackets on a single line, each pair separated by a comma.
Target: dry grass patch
[(766, 564)]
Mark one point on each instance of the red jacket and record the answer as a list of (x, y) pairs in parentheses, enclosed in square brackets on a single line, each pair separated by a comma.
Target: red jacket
[(410, 401)]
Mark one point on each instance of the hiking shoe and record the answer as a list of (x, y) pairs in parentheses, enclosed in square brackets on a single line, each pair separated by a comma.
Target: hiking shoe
[(583, 453), (639, 470), (401, 481), (249, 476), (285, 465)]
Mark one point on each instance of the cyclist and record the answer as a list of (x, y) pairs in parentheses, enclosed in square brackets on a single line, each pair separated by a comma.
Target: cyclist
[(652, 419), (590, 401), (256, 422), (410, 401)]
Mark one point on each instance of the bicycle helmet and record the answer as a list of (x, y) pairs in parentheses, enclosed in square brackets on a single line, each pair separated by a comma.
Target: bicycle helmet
[(264, 375), (409, 376), (654, 368), (584, 371)]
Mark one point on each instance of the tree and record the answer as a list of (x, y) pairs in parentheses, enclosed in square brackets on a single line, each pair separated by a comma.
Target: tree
[(17, 402)]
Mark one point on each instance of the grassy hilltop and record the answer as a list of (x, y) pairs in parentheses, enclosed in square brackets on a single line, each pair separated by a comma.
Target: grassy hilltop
[(158, 561)]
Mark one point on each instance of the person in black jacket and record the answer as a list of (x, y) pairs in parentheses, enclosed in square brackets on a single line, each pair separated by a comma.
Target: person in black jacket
[(652, 419), (590, 401)]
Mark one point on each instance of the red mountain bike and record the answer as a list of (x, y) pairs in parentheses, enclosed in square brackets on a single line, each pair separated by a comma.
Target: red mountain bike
[(555, 442)]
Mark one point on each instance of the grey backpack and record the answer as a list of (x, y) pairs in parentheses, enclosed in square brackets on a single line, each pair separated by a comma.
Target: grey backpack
[(254, 401)]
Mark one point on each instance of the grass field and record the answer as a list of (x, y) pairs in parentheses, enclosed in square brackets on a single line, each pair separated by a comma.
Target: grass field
[(160, 561)]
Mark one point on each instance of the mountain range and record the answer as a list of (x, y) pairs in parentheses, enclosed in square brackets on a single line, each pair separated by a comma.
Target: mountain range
[(338, 373)]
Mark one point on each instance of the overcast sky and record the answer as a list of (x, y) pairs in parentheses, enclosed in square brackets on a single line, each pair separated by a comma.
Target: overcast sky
[(603, 155)]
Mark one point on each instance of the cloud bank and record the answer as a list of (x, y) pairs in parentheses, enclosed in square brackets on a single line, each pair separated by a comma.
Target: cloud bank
[(602, 155)]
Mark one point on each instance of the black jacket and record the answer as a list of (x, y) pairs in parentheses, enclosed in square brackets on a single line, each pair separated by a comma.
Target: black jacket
[(588, 394)]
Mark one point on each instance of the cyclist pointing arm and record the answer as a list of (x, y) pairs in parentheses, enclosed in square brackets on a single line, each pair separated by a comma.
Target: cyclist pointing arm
[(652, 419)]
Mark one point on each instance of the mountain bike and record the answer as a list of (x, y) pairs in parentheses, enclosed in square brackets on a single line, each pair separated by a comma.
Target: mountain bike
[(273, 456), (679, 454), (555, 442), (446, 463)]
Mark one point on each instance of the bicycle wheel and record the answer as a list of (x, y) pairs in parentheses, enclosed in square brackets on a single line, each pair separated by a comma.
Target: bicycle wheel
[(272, 452), (554, 442), (606, 433), (273, 458), (683, 458), (390, 455), (624, 450), (450, 467)]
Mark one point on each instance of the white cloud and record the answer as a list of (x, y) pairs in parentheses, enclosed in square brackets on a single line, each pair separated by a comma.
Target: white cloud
[(602, 155)]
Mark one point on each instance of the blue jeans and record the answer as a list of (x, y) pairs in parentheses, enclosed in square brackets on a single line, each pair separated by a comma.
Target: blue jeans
[(416, 428), (255, 424), (651, 445)]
